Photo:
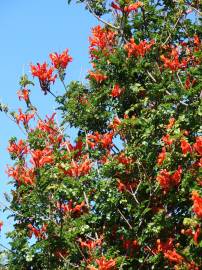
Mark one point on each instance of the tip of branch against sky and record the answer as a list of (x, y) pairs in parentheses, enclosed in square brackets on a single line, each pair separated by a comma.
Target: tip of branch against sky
[(29, 31)]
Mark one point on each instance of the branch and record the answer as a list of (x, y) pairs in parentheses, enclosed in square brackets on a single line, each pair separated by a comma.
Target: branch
[(180, 102), (169, 36), (52, 94), (7, 248), (125, 219), (116, 147), (180, 80), (13, 119), (99, 19), (86, 200), (194, 9), (82, 254), (150, 75)]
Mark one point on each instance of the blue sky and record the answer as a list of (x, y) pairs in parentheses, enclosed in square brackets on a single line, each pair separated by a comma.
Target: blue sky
[(29, 31)]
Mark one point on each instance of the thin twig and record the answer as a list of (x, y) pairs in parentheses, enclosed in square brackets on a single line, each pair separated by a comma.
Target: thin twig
[(180, 80), (121, 266), (16, 124), (150, 75), (195, 9), (14, 212), (52, 94), (125, 219), (180, 102), (134, 193), (170, 34), (99, 19), (7, 248), (81, 252), (116, 147), (86, 199)]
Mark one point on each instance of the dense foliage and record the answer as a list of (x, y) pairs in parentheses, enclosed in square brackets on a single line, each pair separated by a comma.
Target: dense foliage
[(127, 193)]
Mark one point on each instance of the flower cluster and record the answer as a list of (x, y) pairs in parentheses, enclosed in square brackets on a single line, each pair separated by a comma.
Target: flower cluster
[(22, 175), (197, 207), (78, 169), (18, 149), (102, 40), (104, 140), (138, 50), (166, 180), (60, 60), (116, 91), (23, 94), (42, 157), (97, 76), (173, 61), (44, 74), (127, 9), (103, 264), (24, 118), (68, 208), (38, 233)]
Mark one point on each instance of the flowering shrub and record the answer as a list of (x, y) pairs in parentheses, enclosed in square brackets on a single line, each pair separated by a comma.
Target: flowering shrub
[(127, 194)]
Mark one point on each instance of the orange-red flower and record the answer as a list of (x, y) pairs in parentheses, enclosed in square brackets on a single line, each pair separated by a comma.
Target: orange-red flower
[(44, 74), (163, 246), (129, 244), (198, 145), (104, 264), (90, 244), (116, 91), (97, 76), (195, 234), (105, 140), (189, 83), (123, 159), (171, 123), (197, 43), (22, 174), (166, 139), (77, 210), (161, 156), (60, 60), (173, 256), (38, 233), (129, 8), (23, 94), (78, 169), (48, 125), (1, 224), (133, 7), (176, 176), (137, 50), (173, 62), (24, 118), (197, 207), (102, 40), (115, 123), (28, 176), (186, 147), (42, 157), (166, 180), (192, 266), (18, 149), (126, 186)]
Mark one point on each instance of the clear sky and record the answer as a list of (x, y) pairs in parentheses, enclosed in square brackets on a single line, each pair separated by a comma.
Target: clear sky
[(29, 31)]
